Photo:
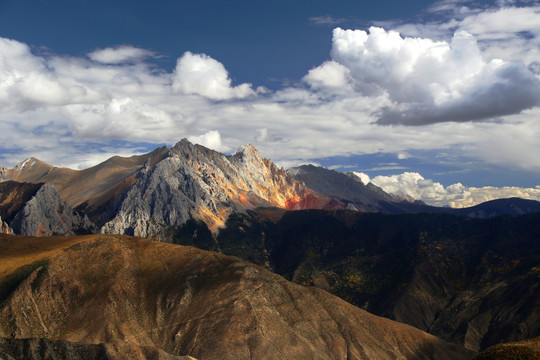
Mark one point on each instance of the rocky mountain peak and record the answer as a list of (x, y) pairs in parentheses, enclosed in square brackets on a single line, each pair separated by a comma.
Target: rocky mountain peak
[(183, 145), (247, 153), (194, 181), (28, 163), (46, 214), (3, 173)]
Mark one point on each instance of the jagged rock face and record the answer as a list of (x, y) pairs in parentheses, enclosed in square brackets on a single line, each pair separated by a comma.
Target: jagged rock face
[(4, 173), (4, 227), (193, 181), (185, 301), (46, 214)]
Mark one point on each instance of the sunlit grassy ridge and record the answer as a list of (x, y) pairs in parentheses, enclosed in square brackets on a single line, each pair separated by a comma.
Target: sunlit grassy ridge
[(18, 251)]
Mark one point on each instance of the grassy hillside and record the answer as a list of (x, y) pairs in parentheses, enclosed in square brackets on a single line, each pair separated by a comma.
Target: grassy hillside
[(182, 301)]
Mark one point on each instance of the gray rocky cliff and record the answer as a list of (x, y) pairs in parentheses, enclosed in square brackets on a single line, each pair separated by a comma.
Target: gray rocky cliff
[(4, 227), (195, 182), (46, 214), (4, 175)]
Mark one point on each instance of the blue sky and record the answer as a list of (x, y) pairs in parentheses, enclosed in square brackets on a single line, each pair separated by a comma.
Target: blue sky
[(262, 42), (447, 89)]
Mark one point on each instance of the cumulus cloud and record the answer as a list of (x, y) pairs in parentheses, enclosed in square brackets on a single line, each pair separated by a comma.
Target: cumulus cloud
[(64, 109), (201, 75), (210, 139), (119, 54), (26, 83), (363, 177), (431, 81), (330, 75), (456, 195)]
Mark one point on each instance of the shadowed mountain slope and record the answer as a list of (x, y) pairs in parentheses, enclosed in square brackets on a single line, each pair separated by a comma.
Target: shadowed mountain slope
[(469, 281), (342, 186), (511, 206), (522, 350), (45, 349), (185, 301), (14, 195)]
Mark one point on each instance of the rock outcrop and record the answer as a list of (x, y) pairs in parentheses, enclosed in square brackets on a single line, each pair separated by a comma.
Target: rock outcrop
[(185, 301), (4, 227), (195, 182), (46, 214)]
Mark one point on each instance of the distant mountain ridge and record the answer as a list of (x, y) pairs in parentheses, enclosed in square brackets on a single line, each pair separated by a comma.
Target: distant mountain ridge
[(195, 182), (349, 188), (343, 186), (151, 194)]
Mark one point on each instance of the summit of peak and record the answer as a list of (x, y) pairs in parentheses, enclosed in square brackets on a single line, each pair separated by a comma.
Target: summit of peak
[(28, 162), (183, 143), (248, 150)]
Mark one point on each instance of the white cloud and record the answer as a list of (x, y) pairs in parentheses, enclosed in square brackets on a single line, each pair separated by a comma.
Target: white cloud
[(329, 75), (119, 54), (432, 81), (403, 156), (210, 139), (456, 195), (363, 177), (63, 108), (415, 186), (201, 75)]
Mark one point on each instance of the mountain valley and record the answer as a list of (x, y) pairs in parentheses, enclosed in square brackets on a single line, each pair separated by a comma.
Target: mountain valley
[(466, 276)]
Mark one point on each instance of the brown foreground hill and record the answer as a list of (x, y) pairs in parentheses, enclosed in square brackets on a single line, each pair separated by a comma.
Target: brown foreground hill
[(520, 350), (164, 299)]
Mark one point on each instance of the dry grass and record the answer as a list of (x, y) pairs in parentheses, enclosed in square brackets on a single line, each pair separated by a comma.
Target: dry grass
[(17, 251), (522, 350)]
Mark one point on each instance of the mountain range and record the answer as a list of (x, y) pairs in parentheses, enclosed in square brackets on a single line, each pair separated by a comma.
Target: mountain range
[(468, 276), (148, 195)]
